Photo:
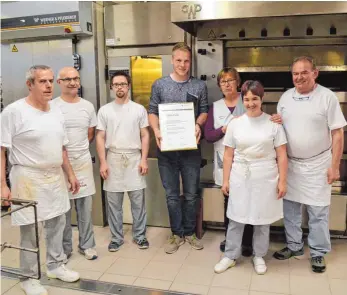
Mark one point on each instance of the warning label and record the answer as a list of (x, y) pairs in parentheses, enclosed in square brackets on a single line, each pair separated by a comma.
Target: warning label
[(14, 48), (211, 35)]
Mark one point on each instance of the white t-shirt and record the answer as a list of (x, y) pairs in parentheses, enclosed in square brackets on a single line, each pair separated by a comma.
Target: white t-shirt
[(254, 138), (122, 123), (78, 117), (309, 119), (33, 137), (35, 140)]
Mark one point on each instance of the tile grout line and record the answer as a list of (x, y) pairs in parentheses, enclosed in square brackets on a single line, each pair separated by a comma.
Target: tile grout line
[(149, 261), (190, 250)]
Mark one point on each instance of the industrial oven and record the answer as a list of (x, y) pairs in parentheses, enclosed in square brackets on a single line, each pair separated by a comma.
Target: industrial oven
[(261, 39)]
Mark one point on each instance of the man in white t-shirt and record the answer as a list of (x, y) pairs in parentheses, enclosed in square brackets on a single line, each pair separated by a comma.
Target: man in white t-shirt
[(33, 131), (313, 122), (80, 122), (123, 131)]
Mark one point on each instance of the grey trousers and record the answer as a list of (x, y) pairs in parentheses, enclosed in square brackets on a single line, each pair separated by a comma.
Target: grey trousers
[(55, 256), (233, 246), (318, 224), (84, 223), (115, 214)]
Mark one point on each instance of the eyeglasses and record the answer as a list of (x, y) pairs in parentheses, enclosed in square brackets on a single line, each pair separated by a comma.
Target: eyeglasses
[(224, 82), (69, 80), (298, 97), (116, 85)]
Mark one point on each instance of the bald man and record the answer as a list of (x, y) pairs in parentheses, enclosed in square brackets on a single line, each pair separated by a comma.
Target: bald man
[(80, 122)]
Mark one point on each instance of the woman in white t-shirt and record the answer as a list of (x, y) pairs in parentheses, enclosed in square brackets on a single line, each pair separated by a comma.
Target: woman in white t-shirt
[(254, 175)]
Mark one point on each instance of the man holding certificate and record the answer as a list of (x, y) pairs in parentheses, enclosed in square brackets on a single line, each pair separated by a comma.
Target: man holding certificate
[(178, 108)]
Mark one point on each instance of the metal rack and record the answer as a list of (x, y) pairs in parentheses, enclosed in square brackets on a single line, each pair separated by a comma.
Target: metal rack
[(21, 205)]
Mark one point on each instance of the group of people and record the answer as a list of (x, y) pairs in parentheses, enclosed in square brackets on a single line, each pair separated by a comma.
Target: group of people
[(267, 166)]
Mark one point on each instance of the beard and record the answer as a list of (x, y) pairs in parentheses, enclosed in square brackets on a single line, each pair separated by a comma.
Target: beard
[(120, 94)]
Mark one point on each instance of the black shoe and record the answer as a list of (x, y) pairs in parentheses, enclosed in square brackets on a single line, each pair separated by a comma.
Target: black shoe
[(318, 264), (142, 244), (247, 251), (286, 253), (222, 246), (113, 247)]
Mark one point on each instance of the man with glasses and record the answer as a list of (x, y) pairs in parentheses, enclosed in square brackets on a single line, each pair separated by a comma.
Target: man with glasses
[(32, 129), (179, 86), (122, 130), (80, 122), (313, 122)]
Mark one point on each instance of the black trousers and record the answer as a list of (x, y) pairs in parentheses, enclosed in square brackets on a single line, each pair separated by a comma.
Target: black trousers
[(247, 238)]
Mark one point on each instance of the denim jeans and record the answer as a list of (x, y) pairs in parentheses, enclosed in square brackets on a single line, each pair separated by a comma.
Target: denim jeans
[(171, 164)]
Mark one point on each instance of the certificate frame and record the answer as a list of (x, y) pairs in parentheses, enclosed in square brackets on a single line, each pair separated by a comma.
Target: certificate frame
[(177, 123)]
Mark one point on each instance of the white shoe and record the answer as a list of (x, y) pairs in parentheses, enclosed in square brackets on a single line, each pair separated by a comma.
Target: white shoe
[(224, 264), (89, 254), (33, 287), (259, 265), (64, 274)]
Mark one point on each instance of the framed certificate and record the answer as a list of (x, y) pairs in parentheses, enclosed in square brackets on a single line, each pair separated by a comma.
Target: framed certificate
[(177, 126)]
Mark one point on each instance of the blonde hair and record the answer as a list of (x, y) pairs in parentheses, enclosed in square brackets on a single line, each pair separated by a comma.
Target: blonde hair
[(181, 46), (229, 70)]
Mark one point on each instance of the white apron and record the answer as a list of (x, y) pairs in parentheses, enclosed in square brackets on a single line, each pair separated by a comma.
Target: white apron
[(124, 172), (308, 181), (83, 169), (253, 193), (222, 117), (46, 186)]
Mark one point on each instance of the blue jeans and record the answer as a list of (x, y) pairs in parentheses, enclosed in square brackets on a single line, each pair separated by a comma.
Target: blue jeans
[(171, 164)]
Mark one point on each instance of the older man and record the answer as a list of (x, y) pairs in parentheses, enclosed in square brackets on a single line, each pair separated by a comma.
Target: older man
[(33, 131), (313, 122), (80, 122)]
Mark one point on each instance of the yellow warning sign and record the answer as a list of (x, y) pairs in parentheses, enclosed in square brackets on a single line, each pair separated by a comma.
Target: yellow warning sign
[(14, 48), (211, 35)]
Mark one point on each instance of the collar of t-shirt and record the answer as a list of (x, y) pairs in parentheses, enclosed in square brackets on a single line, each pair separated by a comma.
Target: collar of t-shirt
[(180, 82), (303, 97)]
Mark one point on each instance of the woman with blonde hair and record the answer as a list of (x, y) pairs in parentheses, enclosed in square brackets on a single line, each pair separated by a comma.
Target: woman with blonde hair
[(219, 116)]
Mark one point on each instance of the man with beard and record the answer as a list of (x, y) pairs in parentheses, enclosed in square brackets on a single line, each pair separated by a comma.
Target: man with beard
[(80, 122), (33, 131), (178, 87), (313, 122), (122, 131)]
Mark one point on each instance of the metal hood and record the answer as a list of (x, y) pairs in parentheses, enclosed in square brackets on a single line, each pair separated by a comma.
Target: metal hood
[(190, 15)]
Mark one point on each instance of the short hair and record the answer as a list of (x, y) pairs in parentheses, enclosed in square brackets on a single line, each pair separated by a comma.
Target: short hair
[(310, 59), (30, 74), (121, 73), (181, 46), (229, 70), (255, 87)]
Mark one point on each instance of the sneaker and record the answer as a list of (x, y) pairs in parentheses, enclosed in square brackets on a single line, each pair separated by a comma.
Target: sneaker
[(63, 274), (173, 243), (318, 264), (142, 243), (222, 246), (224, 264), (194, 242), (114, 247), (286, 253), (259, 265), (247, 251), (33, 287), (89, 254)]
